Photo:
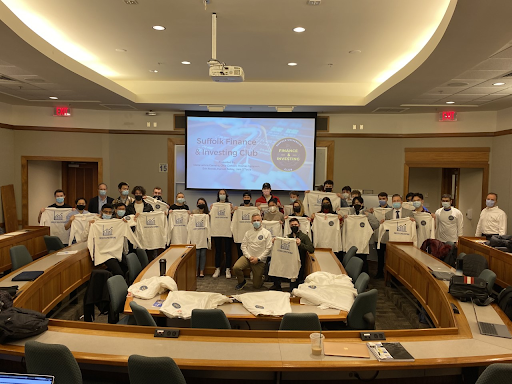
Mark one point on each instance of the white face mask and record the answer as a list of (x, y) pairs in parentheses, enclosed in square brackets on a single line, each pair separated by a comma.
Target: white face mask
[(446, 204), (272, 209), (345, 195)]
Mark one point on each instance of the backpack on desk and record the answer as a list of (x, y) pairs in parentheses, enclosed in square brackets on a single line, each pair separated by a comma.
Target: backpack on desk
[(505, 301), (19, 323), (465, 288)]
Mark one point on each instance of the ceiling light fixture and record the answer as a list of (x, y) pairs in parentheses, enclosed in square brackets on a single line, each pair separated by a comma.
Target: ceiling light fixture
[(158, 28), (54, 98), (299, 29), (499, 84), (355, 51), (185, 62), (120, 50), (292, 64), (153, 71), (450, 102)]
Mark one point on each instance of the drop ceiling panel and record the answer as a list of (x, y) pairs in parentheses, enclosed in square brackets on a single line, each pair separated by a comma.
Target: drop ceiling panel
[(504, 54), (479, 90), (497, 64), (484, 75)]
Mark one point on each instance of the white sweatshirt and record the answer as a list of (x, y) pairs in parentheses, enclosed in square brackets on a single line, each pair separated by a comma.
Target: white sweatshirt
[(181, 303), (326, 231), (55, 218), (269, 303), (380, 213), (257, 243), (80, 227), (151, 230), (241, 222), (400, 230), (148, 288), (285, 258), (357, 232), (220, 219), (106, 240), (425, 228), (449, 224), (313, 201), (199, 230), (492, 221), (157, 204), (274, 227), (304, 225), (177, 228)]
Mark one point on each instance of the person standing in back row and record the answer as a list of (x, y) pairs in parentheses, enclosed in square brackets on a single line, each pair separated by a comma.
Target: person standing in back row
[(124, 194), (99, 201), (449, 221), (227, 242), (59, 203), (493, 220), (266, 195)]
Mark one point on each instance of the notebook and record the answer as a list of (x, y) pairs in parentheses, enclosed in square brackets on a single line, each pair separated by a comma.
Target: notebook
[(16, 378), (27, 276), (390, 352), (346, 350), (491, 329)]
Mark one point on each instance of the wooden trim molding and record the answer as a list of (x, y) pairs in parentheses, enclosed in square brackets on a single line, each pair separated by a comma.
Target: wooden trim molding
[(329, 144), (171, 151)]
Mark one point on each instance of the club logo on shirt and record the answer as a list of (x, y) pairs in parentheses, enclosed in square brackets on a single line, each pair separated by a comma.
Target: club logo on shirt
[(221, 212), (331, 223), (312, 286), (319, 200), (288, 154), (246, 216), (143, 287), (401, 227), (150, 221), (260, 237), (127, 218), (259, 306), (199, 223), (285, 246), (362, 225), (157, 206), (178, 221), (58, 216), (176, 305), (108, 231), (423, 222), (451, 218)]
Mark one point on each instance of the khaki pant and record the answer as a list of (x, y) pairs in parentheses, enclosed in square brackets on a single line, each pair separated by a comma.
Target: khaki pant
[(257, 271)]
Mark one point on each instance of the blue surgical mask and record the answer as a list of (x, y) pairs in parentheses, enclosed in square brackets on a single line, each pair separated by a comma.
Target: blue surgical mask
[(59, 200), (383, 203), (490, 203), (416, 204), (446, 204), (103, 192), (121, 212), (397, 205), (181, 200), (256, 224), (222, 197), (125, 193), (106, 217), (292, 200)]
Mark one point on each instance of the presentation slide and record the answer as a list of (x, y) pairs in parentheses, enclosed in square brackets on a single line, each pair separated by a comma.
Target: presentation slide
[(243, 153)]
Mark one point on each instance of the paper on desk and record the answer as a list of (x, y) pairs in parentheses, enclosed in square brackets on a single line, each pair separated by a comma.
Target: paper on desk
[(67, 252)]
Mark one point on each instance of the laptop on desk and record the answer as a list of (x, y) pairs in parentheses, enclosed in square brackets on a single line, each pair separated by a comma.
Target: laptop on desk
[(491, 329), (17, 378)]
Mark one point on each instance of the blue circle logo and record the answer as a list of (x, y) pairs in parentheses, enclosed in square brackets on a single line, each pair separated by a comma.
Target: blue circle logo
[(260, 237), (143, 287), (259, 306), (176, 305)]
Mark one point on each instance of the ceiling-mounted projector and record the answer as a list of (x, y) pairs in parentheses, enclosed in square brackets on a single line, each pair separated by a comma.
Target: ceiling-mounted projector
[(220, 72)]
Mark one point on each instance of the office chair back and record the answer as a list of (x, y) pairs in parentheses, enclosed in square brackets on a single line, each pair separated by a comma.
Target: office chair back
[(134, 267), (117, 290), (209, 318), (151, 370), (19, 256), (354, 267), (473, 264), (53, 243), (300, 322), (490, 277), (496, 374), (362, 313), (54, 360), (143, 257), (350, 253), (362, 282), (142, 316)]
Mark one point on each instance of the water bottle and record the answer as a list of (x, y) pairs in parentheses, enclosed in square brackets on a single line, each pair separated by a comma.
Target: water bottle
[(163, 267)]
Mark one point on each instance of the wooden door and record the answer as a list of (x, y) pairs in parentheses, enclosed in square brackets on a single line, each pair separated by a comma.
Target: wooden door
[(79, 179)]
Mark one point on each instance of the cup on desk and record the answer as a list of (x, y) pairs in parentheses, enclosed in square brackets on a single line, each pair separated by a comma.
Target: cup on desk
[(317, 343)]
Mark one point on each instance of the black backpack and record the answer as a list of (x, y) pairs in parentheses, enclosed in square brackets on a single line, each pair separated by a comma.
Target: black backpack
[(19, 323), (505, 301)]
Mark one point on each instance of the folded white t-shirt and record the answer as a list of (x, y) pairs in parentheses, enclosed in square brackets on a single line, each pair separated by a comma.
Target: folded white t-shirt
[(270, 303), (181, 303), (149, 288)]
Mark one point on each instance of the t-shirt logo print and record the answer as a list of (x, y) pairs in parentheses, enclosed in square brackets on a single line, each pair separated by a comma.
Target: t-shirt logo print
[(200, 224), (246, 216), (401, 228), (312, 286), (157, 206), (259, 306), (58, 216), (221, 212), (361, 225), (285, 246), (143, 287), (176, 305), (331, 223), (260, 237), (108, 231), (178, 221), (150, 221), (451, 218), (423, 222), (319, 200)]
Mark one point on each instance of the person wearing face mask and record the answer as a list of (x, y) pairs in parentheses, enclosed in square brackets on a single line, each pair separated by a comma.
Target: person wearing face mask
[(202, 208), (298, 209), (59, 203), (273, 213), (305, 245), (493, 220), (256, 247), (157, 194), (120, 211), (226, 242), (180, 202), (247, 200), (99, 201), (355, 193), (328, 187), (139, 205), (124, 194), (266, 195), (80, 204), (294, 196), (346, 196), (383, 200), (449, 221), (417, 203)]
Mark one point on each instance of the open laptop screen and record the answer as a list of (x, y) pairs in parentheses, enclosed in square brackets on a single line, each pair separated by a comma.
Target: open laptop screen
[(16, 378)]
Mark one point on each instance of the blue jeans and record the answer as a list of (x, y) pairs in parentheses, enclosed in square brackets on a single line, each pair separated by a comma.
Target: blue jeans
[(201, 258)]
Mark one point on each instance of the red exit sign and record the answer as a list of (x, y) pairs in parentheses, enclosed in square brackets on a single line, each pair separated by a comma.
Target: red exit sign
[(448, 116), (62, 111)]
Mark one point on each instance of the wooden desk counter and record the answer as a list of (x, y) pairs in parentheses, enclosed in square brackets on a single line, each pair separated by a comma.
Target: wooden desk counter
[(30, 237)]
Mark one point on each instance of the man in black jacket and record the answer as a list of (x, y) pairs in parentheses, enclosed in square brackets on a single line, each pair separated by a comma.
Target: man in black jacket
[(99, 201)]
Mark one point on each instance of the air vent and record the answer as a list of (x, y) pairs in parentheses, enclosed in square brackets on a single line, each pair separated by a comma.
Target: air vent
[(131, 2), (119, 107), (35, 80), (7, 78), (389, 110)]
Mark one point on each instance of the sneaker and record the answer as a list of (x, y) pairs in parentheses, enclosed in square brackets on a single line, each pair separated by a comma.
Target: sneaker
[(228, 273), (216, 273), (241, 285), (275, 287)]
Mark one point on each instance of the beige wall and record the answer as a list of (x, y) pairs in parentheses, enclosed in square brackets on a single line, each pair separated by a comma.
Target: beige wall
[(44, 177), (428, 182), (6, 161), (470, 197)]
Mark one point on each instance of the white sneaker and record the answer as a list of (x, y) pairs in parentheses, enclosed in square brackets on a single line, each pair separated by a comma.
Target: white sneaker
[(216, 273), (228, 273)]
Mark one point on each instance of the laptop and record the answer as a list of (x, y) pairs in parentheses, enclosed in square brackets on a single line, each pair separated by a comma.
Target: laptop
[(346, 350), (491, 329), (27, 276), (17, 378), (441, 275)]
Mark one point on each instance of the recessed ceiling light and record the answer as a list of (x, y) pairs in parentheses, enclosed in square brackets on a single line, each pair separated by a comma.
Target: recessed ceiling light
[(54, 98), (292, 64), (499, 84), (158, 27), (299, 29), (185, 62), (450, 102), (153, 71), (355, 51), (120, 50)]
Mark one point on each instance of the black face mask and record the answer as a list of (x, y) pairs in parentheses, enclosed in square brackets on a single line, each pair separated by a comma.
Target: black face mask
[(328, 189), (247, 202), (357, 207), (80, 207), (157, 197), (201, 206), (326, 206), (296, 209), (138, 197), (294, 229)]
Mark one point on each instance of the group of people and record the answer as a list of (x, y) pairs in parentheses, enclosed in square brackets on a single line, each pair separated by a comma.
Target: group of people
[(255, 244)]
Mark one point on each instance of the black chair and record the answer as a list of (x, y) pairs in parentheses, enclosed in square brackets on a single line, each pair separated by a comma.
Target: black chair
[(362, 282), (134, 267), (209, 319), (54, 360), (300, 322), (141, 315), (496, 374), (350, 253), (473, 264), (362, 313), (354, 267), (490, 277), (143, 257), (117, 290), (53, 243), (151, 370), (19, 256)]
